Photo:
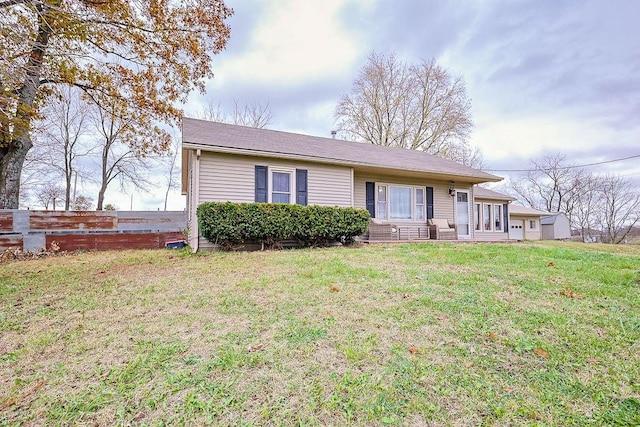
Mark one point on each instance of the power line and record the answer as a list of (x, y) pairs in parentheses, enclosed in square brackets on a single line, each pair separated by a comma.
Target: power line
[(566, 167)]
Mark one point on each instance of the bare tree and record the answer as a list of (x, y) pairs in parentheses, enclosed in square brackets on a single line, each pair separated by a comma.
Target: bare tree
[(551, 184), (58, 140), (585, 215), (171, 169), (82, 203), (417, 106), (49, 193), (118, 160), (252, 113), (619, 208)]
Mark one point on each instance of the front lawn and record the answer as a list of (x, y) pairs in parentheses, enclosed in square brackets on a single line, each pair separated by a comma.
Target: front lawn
[(411, 334)]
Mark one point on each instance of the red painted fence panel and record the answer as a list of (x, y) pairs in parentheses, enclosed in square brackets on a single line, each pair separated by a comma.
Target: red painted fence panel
[(109, 241), (11, 241), (6, 221), (73, 220)]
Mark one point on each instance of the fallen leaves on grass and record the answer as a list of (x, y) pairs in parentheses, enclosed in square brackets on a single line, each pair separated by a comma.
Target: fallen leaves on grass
[(255, 347), (592, 361), (541, 352), (551, 264), (468, 364), (569, 293), (492, 336), (16, 401), (413, 350), (334, 288), (18, 255), (441, 317)]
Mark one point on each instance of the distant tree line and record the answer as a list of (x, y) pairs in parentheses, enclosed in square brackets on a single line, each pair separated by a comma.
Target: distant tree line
[(604, 205)]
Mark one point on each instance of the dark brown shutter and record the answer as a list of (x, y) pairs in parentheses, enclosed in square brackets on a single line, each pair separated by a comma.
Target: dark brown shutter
[(262, 184), (505, 210), (429, 202), (301, 187), (371, 198)]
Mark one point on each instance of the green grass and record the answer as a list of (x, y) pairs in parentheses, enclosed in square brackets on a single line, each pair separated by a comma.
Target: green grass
[(415, 334)]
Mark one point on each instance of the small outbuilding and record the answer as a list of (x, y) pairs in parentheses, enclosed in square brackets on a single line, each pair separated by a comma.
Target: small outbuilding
[(524, 223), (555, 227)]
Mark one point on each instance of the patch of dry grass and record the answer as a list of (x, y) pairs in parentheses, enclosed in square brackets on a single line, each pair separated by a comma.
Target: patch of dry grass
[(422, 334)]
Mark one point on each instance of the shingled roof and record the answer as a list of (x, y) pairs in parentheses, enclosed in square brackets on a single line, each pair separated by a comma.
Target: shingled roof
[(222, 137), (485, 193)]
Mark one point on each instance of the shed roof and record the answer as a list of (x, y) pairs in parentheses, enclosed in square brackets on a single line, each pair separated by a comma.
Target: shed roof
[(551, 218), (222, 137)]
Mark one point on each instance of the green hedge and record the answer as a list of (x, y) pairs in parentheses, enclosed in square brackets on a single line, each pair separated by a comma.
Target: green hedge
[(228, 224)]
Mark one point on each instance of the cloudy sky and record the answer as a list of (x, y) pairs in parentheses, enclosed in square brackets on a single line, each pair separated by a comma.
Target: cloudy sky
[(542, 75)]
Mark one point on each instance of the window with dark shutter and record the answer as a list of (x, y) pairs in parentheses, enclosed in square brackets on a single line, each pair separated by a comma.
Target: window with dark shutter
[(261, 184), (301, 187)]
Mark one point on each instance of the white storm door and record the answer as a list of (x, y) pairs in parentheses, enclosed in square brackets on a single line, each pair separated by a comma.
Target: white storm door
[(462, 214)]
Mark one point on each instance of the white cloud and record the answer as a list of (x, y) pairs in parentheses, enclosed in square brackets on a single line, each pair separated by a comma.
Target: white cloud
[(528, 137), (295, 42)]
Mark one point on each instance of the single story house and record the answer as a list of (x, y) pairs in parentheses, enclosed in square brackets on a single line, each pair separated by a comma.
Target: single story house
[(555, 227), (525, 223), (404, 188)]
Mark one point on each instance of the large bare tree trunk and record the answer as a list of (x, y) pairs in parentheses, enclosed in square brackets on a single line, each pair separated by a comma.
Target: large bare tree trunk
[(14, 148), (11, 161)]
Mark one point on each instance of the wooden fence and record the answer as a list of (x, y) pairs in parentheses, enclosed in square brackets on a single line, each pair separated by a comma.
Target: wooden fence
[(29, 230)]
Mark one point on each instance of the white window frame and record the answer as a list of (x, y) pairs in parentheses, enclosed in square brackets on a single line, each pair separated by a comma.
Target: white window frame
[(477, 216), (414, 205), (419, 208), (292, 182), (497, 217), (532, 224), (490, 219)]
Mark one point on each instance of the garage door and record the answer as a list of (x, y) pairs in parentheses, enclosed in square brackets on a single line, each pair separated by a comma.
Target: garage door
[(515, 230)]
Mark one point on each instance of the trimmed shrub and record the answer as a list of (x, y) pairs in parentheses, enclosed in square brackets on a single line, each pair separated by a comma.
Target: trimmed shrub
[(229, 224)]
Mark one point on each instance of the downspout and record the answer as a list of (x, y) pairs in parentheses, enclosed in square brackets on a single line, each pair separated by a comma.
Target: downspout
[(196, 201)]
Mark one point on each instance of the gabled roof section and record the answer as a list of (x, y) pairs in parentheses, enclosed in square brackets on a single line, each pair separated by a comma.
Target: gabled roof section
[(222, 137), (485, 193), (525, 211)]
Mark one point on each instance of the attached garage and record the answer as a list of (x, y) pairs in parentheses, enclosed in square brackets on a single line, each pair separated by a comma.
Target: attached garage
[(516, 229), (525, 223)]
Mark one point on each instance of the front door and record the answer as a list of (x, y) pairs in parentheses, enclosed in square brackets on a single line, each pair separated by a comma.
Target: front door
[(462, 214)]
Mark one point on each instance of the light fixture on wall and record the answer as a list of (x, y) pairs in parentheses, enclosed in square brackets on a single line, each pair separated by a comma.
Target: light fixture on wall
[(452, 190)]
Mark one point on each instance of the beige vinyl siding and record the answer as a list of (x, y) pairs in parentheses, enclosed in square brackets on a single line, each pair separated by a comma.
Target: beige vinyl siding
[(228, 177), (443, 203), (532, 233)]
